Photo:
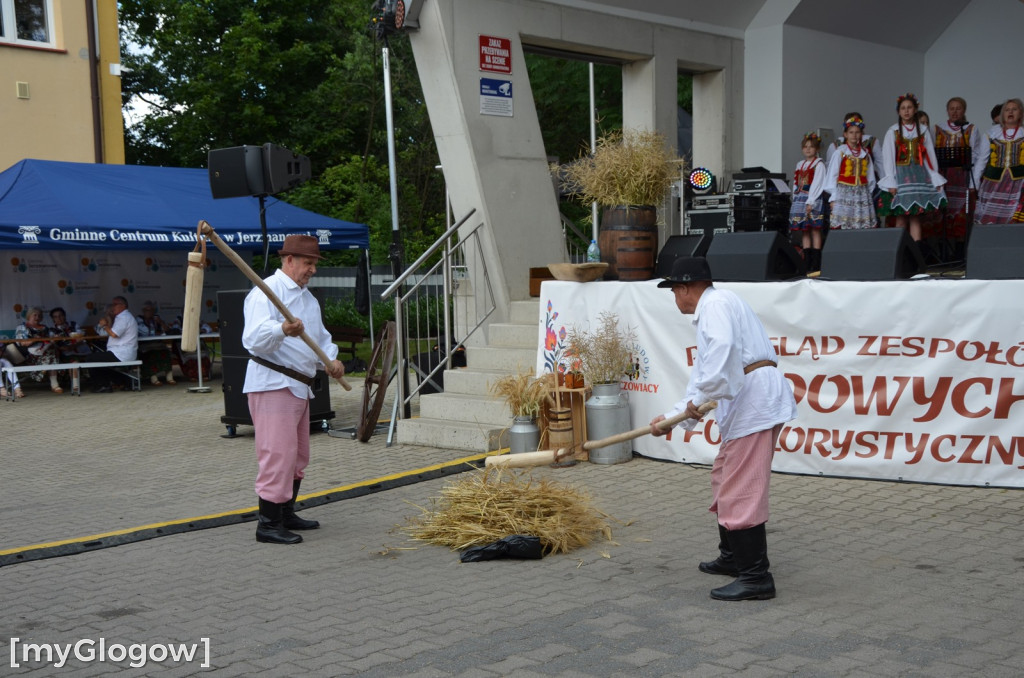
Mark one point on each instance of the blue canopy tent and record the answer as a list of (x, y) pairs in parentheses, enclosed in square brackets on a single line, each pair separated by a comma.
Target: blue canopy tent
[(74, 234), (48, 205)]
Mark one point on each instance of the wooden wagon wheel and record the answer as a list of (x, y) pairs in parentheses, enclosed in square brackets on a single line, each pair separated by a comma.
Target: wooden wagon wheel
[(378, 373)]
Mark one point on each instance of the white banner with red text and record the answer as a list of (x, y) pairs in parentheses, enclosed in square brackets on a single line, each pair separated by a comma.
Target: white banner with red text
[(917, 380)]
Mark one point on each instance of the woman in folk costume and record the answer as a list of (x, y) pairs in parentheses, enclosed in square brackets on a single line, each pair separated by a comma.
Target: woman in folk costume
[(1002, 179), (805, 215), (911, 185), (961, 149), (851, 180)]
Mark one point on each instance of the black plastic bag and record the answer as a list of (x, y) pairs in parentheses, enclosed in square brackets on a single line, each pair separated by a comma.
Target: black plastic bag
[(512, 546)]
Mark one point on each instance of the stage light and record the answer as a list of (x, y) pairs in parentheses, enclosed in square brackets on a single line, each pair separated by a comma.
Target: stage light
[(701, 180)]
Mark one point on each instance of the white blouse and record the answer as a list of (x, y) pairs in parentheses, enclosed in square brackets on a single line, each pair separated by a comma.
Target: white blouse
[(889, 179)]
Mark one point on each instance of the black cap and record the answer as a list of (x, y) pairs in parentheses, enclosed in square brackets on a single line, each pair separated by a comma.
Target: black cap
[(686, 270)]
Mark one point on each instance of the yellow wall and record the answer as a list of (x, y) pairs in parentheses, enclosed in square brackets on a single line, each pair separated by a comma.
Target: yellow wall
[(56, 121)]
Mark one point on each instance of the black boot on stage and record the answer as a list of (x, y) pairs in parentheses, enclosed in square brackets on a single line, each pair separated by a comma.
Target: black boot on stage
[(815, 260), (270, 526), (724, 563), (755, 582), (292, 521)]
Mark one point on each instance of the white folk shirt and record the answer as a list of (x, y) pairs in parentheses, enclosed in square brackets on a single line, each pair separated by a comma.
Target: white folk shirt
[(889, 178), (126, 344), (730, 337), (264, 337)]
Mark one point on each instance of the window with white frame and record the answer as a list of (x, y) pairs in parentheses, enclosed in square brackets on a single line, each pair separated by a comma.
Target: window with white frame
[(27, 22)]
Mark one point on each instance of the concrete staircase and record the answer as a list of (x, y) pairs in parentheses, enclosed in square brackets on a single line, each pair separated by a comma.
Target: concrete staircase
[(466, 417)]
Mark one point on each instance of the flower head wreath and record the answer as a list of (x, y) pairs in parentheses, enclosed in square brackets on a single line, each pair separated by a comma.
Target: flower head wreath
[(903, 97), (812, 137), (853, 120)]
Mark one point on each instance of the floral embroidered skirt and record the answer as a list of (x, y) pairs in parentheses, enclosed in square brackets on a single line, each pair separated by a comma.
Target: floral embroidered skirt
[(955, 218), (852, 208), (798, 219), (915, 193), (998, 200)]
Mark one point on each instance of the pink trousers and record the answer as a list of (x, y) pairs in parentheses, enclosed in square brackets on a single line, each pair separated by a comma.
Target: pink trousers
[(739, 479), (282, 442)]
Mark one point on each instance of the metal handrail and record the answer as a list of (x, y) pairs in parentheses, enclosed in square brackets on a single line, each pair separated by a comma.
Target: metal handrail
[(415, 291), (426, 255)]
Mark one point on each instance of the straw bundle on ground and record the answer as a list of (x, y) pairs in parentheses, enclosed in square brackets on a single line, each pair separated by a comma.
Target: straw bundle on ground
[(488, 505)]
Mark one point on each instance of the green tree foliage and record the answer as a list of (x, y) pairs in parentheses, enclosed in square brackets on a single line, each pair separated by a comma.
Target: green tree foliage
[(305, 74)]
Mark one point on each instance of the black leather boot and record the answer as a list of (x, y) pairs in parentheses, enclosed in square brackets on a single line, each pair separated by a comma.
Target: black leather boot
[(270, 525), (292, 521), (815, 266), (724, 563), (755, 582)]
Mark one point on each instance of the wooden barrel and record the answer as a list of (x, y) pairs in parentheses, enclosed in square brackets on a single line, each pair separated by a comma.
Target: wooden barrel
[(629, 241), (560, 433)]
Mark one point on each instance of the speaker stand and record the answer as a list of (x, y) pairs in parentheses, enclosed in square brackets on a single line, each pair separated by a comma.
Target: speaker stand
[(199, 366)]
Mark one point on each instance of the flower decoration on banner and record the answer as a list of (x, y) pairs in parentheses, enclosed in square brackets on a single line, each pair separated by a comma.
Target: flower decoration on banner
[(554, 342), (903, 97), (853, 120)]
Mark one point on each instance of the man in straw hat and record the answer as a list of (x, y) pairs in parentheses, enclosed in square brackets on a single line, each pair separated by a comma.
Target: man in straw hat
[(278, 381), (735, 365)]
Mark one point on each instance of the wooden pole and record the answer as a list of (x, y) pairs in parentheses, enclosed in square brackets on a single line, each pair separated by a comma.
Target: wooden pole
[(258, 282), (542, 457)]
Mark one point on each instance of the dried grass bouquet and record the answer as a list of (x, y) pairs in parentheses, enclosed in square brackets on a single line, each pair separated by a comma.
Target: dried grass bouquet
[(524, 393), (633, 167), (604, 353)]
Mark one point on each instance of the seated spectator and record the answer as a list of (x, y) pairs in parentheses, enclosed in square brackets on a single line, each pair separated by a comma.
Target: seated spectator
[(67, 351), (122, 344), (155, 355), (4, 362), (35, 350)]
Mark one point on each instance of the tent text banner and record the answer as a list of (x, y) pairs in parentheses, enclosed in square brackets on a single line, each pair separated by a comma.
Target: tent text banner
[(918, 380)]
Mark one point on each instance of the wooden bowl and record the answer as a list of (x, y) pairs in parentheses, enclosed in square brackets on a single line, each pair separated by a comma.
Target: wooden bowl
[(579, 272)]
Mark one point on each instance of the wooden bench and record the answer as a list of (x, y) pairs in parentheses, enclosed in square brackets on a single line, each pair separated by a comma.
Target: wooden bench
[(347, 338), (129, 368)]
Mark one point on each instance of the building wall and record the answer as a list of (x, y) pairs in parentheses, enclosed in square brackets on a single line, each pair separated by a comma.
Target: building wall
[(56, 121), (976, 58), (498, 165)]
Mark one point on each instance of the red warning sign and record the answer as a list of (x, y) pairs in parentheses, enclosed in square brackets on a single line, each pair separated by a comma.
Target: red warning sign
[(495, 54)]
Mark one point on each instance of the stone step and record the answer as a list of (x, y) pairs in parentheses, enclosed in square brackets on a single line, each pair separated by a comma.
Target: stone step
[(488, 410), (503, 359), (471, 381), (525, 312), (452, 434), (513, 336)]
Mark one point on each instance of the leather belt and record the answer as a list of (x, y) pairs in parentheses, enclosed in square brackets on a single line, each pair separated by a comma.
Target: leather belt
[(286, 371), (760, 363)]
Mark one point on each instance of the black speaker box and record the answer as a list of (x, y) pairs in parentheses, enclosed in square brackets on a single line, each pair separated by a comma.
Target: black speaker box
[(870, 254), (236, 403), (753, 256), (283, 169), (255, 170), (230, 321), (996, 252), (680, 246), (236, 172)]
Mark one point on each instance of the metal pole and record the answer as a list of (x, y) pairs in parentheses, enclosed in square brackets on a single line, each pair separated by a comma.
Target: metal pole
[(593, 143), (396, 238)]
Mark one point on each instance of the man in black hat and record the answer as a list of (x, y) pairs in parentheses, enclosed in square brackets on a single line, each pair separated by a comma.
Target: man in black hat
[(735, 365), (278, 381)]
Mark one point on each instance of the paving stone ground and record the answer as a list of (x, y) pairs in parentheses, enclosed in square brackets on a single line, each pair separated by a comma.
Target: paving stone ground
[(874, 578)]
